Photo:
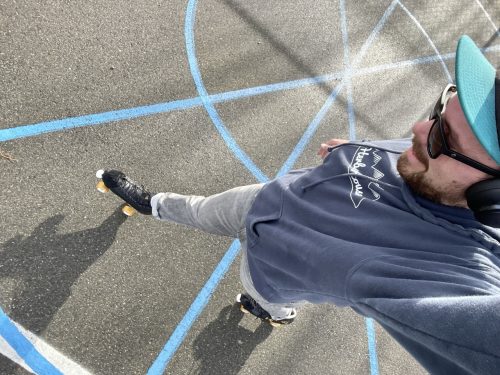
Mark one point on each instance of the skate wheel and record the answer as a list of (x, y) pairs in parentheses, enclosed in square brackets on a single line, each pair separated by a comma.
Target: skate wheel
[(275, 324), (128, 210), (243, 310), (102, 187), (99, 173)]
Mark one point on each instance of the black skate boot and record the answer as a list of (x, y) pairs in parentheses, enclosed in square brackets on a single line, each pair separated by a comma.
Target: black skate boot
[(249, 306), (135, 195)]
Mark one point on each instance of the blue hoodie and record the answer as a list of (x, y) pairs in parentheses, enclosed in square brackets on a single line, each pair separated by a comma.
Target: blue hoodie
[(351, 232)]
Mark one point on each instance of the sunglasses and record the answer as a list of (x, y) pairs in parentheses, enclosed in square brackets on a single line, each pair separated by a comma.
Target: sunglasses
[(436, 141)]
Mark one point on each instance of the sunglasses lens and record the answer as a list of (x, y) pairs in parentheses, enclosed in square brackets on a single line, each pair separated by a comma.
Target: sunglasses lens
[(434, 141)]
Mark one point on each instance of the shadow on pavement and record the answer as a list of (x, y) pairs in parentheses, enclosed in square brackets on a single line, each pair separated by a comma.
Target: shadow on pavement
[(45, 265), (224, 346), (286, 51)]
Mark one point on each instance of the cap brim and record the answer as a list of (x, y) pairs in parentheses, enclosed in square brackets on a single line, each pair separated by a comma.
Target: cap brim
[(475, 78)]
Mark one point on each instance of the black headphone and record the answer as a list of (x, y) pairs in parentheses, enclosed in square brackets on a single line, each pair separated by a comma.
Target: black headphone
[(483, 197)]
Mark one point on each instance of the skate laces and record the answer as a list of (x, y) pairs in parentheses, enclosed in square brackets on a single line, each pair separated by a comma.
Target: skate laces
[(139, 189)]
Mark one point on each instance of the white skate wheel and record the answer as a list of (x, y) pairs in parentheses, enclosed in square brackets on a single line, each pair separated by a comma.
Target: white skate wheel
[(99, 173)]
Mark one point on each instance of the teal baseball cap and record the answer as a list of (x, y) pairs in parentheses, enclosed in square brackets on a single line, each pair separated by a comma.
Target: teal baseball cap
[(478, 90)]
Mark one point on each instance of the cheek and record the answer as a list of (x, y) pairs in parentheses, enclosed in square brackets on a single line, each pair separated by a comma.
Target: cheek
[(442, 170), (440, 166), (448, 172)]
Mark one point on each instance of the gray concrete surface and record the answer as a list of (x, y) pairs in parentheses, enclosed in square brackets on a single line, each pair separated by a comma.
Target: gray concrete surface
[(107, 292)]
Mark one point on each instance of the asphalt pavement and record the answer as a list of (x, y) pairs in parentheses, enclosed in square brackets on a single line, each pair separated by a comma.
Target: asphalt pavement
[(193, 97)]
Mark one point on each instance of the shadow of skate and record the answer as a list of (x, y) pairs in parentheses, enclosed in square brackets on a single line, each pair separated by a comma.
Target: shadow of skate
[(224, 346)]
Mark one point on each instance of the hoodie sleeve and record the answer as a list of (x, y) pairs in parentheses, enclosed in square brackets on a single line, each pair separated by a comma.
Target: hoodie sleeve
[(448, 319)]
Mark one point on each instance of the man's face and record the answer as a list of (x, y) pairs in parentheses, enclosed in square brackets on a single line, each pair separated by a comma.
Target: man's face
[(444, 180)]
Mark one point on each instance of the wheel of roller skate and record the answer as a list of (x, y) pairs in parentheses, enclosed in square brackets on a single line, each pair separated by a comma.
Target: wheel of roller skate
[(102, 187), (128, 210), (275, 324)]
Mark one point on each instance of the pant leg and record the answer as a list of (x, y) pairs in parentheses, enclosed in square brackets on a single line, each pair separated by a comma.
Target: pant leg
[(276, 310), (223, 214)]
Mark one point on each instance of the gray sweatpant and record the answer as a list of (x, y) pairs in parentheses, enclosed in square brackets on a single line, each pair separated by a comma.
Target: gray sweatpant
[(223, 214)]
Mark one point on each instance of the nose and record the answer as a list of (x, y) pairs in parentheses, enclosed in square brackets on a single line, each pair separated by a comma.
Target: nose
[(421, 130)]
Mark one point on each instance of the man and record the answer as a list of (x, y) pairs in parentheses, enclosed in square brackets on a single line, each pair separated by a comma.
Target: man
[(383, 227)]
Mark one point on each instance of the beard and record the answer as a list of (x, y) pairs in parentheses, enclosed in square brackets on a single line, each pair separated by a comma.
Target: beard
[(417, 181), (423, 185)]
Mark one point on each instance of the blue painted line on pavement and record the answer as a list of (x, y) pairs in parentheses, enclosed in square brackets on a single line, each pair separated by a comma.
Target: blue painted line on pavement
[(370, 332), (212, 112), (194, 311), (202, 299), (421, 28), (310, 131), (348, 71), (372, 346), (23, 131), (75, 122), (24, 348), (274, 87)]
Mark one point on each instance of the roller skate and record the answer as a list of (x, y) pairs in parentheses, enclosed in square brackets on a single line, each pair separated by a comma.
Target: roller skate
[(249, 306), (137, 198)]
